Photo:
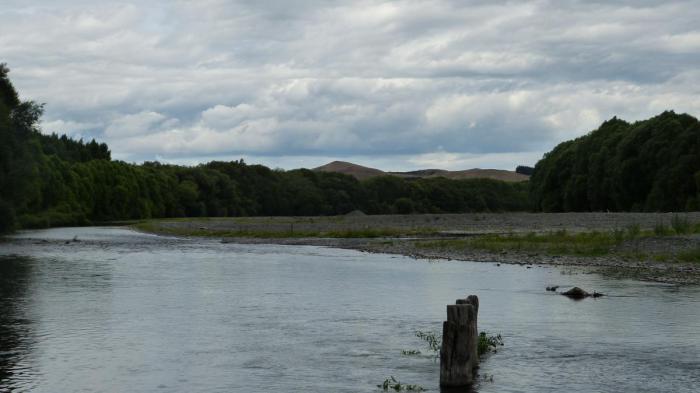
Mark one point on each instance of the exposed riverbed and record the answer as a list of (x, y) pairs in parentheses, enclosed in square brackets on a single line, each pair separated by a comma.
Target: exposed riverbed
[(123, 311), (648, 257)]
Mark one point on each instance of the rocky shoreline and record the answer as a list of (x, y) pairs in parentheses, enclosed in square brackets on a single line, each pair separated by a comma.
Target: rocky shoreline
[(668, 272), (461, 226)]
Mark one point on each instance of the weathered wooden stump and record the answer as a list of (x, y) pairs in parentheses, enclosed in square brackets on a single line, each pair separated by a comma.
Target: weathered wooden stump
[(459, 355)]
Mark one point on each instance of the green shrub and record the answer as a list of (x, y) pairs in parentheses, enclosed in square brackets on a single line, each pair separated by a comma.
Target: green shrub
[(680, 225), (618, 234), (34, 221), (692, 255), (52, 218), (660, 229), (633, 231)]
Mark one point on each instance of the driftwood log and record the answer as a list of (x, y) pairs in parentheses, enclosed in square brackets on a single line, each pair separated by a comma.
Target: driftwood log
[(459, 355)]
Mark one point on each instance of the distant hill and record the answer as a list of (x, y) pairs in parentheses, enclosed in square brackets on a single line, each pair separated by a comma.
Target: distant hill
[(476, 173), (358, 171), (362, 172)]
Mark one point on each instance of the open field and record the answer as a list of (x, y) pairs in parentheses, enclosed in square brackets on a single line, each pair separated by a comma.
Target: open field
[(652, 246)]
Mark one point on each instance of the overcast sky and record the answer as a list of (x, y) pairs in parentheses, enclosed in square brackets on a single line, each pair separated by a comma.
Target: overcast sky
[(397, 85)]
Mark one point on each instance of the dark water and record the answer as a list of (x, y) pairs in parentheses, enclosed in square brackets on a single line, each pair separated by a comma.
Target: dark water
[(125, 312)]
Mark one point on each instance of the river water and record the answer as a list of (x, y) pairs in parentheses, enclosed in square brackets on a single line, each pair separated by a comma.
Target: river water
[(121, 311)]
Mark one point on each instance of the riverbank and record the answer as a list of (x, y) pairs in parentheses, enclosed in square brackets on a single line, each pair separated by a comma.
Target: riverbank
[(660, 247)]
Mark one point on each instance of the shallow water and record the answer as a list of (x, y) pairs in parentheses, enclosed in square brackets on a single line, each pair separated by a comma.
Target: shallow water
[(121, 311)]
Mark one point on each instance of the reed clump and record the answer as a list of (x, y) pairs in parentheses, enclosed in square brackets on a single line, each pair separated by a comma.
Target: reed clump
[(489, 343), (392, 383)]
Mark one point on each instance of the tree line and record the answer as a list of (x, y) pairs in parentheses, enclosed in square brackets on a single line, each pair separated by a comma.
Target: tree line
[(51, 180), (650, 165)]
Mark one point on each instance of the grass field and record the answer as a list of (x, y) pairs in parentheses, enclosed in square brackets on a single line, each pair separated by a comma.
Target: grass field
[(581, 244)]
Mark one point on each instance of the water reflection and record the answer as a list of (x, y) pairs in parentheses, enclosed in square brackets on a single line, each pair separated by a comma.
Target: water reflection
[(458, 390), (15, 327)]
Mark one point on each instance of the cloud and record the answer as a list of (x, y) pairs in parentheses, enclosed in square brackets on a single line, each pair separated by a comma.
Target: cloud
[(142, 123), (70, 128), (396, 83), (454, 161)]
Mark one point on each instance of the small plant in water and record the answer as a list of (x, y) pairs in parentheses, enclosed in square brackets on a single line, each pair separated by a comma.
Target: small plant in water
[(433, 339), (392, 383), (488, 343)]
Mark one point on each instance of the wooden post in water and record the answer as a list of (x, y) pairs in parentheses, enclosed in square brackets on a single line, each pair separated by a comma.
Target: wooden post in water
[(459, 355)]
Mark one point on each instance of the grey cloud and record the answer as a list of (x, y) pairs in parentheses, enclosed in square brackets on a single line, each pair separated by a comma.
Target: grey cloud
[(421, 78)]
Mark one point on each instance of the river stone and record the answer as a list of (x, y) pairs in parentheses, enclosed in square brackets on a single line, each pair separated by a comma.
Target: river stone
[(576, 293)]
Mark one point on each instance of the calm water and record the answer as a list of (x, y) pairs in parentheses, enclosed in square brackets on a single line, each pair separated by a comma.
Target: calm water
[(121, 311)]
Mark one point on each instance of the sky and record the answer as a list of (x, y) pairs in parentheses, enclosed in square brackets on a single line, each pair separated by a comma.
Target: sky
[(398, 85)]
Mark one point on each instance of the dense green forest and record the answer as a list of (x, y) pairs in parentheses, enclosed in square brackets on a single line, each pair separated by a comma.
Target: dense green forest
[(47, 180), (650, 165)]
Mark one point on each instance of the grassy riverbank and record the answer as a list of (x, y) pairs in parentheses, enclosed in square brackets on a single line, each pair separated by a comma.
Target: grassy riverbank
[(631, 243), (651, 246)]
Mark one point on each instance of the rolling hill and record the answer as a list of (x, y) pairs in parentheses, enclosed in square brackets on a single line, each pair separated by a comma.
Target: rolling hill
[(362, 172)]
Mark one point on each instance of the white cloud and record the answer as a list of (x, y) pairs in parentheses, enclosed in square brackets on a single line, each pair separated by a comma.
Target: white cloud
[(70, 128), (688, 42), (142, 123), (456, 161), (227, 117), (386, 82)]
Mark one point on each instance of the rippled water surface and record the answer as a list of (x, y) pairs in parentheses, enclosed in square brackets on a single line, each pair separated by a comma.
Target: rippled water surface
[(120, 311)]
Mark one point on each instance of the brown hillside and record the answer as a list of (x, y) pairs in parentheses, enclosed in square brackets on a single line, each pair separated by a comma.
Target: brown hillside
[(476, 173), (358, 171), (362, 172), (497, 174)]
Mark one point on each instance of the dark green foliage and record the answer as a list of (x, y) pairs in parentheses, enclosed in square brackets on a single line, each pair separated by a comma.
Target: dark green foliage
[(70, 150), (404, 205), (8, 94), (389, 194), (524, 170), (7, 217), (52, 180), (650, 165), (18, 170)]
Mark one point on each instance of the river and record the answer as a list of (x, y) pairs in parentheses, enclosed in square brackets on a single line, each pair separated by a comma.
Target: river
[(122, 311)]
